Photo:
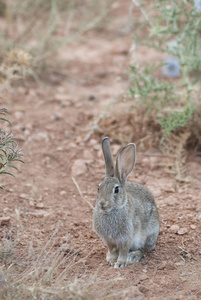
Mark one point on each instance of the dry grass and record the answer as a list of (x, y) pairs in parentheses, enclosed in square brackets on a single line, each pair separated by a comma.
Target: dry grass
[(15, 65), (42, 27), (175, 148), (49, 274)]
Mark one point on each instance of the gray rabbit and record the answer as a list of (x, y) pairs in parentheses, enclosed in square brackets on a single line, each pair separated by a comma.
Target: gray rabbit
[(125, 215)]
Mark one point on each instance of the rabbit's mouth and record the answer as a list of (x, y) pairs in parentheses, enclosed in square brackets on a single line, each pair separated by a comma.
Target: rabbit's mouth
[(105, 210)]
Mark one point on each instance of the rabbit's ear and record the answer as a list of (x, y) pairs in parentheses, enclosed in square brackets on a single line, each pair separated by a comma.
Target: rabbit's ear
[(125, 162), (107, 152)]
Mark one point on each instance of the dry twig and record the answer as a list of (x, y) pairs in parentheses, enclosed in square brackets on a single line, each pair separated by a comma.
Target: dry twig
[(80, 192)]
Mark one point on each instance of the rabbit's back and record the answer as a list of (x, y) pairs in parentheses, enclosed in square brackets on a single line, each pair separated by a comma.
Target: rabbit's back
[(138, 191)]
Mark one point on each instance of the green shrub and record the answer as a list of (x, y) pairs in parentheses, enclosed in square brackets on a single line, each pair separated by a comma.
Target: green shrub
[(9, 151), (170, 88)]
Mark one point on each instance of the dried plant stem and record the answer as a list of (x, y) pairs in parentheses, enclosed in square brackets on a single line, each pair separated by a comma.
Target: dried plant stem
[(74, 126), (135, 2), (37, 14), (80, 192), (74, 36)]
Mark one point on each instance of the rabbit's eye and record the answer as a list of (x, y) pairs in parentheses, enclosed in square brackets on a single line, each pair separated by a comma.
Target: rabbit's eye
[(116, 189), (98, 187)]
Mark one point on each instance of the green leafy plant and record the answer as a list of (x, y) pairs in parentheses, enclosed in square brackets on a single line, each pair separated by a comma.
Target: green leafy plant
[(9, 151), (174, 120), (171, 87)]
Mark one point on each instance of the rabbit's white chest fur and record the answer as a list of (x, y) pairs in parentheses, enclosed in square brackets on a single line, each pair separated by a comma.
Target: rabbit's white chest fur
[(117, 229), (114, 227)]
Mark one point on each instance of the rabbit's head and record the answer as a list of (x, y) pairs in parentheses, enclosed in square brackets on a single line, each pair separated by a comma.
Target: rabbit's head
[(111, 191)]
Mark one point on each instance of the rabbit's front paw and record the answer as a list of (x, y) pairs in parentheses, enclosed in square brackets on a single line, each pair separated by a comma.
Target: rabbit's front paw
[(111, 257), (120, 264)]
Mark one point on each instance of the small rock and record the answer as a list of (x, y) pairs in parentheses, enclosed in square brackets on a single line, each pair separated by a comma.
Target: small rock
[(57, 117), (40, 205), (31, 203), (143, 289), (78, 140), (199, 216), (171, 201), (143, 277), (162, 265), (4, 221), (174, 228), (40, 214), (170, 266), (93, 142), (27, 132), (65, 239), (19, 115), (24, 196), (182, 231), (60, 148), (153, 162), (62, 193), (72, 145), (76, 223), (193, 226), (91, 98), (78, 168), (65, 248), (180, 263), (169, 189), (97, 147)]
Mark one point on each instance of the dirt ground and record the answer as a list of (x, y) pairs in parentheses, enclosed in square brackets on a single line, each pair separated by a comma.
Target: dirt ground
[(50, 121)]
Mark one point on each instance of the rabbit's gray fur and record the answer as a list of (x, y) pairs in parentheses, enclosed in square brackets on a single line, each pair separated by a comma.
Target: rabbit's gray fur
[(126, 221)]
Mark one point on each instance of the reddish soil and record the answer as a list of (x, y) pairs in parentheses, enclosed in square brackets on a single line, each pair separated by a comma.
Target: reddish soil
[(50, 121)]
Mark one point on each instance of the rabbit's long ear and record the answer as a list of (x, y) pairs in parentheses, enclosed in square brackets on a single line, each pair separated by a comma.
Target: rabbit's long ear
[(125, 162), (107, 152)]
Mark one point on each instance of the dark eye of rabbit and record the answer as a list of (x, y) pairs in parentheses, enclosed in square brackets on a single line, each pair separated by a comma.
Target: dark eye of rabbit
[(116, 189), (98, 188)]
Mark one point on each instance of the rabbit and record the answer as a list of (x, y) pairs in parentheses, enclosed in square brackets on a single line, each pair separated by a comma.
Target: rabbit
[(125, 216)]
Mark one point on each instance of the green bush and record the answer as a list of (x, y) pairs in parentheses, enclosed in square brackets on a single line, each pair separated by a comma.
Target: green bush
[(170, 88), (9, 152)]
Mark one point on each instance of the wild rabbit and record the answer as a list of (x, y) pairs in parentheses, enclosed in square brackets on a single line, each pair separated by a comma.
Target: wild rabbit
[(125, 215)]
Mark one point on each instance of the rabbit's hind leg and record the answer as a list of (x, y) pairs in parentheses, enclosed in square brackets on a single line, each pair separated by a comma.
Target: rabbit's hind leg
[(135, 256), (151, 242)]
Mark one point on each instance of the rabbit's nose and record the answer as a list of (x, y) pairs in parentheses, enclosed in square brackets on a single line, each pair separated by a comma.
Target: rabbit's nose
[(102, 205)]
